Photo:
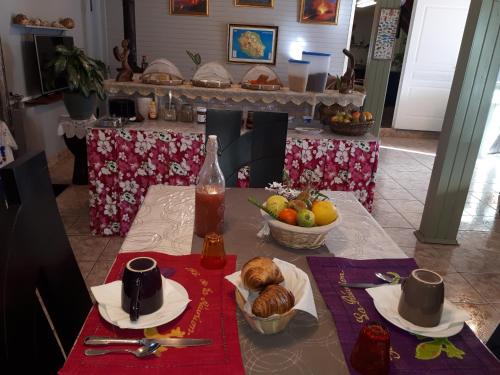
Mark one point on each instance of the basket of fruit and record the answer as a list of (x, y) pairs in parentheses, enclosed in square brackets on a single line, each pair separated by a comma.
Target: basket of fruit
[(355, 123), (301, 222)]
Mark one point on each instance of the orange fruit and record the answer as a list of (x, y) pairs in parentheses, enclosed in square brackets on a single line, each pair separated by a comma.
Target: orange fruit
[(288, 216)]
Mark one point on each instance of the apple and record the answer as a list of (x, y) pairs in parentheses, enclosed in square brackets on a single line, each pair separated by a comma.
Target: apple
[(305, 218)]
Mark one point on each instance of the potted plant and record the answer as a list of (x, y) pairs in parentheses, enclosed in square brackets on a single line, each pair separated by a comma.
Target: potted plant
[(84, 76)]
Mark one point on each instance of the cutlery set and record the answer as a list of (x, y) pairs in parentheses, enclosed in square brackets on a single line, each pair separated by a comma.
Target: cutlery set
[(148, 346), (384, 277)]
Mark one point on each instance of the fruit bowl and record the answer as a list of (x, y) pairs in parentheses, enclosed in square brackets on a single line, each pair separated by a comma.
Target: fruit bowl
[(353, 128), (299, 237)]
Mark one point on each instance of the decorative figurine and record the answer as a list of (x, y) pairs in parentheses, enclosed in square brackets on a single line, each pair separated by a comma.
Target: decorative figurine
[(347, 80), (125, 73)]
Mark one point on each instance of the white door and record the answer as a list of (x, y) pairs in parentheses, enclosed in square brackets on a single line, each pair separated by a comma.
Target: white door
[(433, 43)]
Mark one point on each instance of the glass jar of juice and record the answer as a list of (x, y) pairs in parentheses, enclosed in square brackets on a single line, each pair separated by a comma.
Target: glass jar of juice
[(209, 197)]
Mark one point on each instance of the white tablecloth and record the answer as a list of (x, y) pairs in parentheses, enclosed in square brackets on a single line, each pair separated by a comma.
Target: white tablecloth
[(165, 224)]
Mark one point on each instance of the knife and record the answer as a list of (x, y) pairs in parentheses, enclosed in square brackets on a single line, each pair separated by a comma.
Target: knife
[(361, 285), (171, 341)]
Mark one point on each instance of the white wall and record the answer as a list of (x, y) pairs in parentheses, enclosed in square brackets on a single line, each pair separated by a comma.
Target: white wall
[(162, 35), (41, 122)]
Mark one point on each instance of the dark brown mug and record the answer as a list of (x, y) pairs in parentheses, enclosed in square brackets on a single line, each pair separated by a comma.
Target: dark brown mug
[(422, 298), (142, 287)]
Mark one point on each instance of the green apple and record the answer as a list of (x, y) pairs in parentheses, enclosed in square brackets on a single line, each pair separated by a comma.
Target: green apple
[(305, 218), (276, 203)]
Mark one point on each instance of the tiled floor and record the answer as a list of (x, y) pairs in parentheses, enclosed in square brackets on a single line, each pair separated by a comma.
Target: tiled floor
[(471, 270)]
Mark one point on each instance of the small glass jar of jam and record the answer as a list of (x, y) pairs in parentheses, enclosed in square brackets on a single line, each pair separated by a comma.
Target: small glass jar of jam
[(213, 255), (201, 115)]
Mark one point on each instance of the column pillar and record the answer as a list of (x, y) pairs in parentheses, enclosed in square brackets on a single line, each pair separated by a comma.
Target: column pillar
[(377, 71), (464, 123)]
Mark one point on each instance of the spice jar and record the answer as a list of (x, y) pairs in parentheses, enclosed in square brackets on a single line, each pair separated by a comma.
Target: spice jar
[(201, 115), (186, 113)]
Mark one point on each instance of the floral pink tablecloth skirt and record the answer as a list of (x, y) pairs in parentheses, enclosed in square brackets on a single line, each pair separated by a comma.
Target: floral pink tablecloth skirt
[(123, 163)]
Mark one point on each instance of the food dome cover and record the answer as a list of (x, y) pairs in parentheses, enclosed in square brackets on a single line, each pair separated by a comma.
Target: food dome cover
[(212, 74), (162, 72), (262, 75)]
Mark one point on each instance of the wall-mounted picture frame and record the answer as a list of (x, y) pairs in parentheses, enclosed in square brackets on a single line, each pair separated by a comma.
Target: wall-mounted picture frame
[(252, 44), (254, 3), (387, 28), (325, 12), (188, 7)]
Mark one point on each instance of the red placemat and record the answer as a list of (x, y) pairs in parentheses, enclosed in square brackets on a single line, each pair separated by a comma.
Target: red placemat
[(210, 314)]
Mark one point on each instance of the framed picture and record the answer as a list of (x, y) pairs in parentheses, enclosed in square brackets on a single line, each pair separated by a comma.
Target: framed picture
[(322, 12), (189, 7), (387, 29), (252, 44), (254, 3)]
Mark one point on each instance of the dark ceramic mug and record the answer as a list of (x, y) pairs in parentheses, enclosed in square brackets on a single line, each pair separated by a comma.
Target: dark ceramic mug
[(142, 287), (422, 298)]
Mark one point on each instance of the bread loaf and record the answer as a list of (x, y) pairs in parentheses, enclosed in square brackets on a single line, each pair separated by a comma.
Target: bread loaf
[(275, 299), (260, 272)]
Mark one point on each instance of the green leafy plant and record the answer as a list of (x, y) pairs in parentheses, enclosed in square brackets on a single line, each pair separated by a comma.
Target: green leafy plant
[(82, 73), (195, 57)]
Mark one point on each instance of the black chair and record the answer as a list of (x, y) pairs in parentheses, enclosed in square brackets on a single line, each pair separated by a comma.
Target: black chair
[(40, 278), (226, 125), (268, 148), (262, 149), (494, 342)]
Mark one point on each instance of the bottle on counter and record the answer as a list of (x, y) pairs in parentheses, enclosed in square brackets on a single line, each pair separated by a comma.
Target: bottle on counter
[(201, 115), (209, 196), (153, 110), (144, 63)]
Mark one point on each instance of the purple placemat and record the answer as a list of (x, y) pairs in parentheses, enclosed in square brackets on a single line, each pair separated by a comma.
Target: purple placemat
[(352, 308)]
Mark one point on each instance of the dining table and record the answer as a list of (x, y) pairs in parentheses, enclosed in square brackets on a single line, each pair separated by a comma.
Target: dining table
[(164, 225)]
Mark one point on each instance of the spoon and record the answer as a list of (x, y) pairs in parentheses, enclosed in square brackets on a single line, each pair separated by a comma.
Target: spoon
[(142, 352), (384, 277)]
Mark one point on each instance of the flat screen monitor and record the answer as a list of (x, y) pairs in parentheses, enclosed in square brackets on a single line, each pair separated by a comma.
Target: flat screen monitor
[(45, 46)]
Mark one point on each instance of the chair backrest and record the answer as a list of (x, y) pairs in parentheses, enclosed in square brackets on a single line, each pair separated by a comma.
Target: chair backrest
[(268, 148), (263, 148), (226, 125), (40, 278)]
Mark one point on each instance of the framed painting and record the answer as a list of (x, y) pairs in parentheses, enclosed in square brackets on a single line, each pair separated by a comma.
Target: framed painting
[(189, 7), (252, 44), (387, 29), (254, 3), (324, 12)]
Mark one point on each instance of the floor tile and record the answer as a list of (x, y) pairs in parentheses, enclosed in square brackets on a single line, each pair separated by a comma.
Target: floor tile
[(474, 261), (391, 220), (484, 319), (413, 218), (420, 195), (80, 227), (98, 274), (85, 267), (412, 206), (487, 284), (111, 250), (68, 221), (88, 248), (479, 240), (431, 258), (480, 223), (404, 237), (394, 193), (458, 289)]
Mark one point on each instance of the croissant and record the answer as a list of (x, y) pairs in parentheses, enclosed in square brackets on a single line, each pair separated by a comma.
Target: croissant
[(260, 272), (275, 299)]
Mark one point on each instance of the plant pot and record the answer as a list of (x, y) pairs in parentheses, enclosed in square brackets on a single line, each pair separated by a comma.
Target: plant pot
[(79, 106)]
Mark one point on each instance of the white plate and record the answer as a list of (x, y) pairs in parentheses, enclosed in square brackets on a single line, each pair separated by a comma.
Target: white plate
[(389, 309), (167, 313), (308, 130)]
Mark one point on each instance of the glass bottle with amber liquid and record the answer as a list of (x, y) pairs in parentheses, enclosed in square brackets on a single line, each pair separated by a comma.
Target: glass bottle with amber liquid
[(209, 197)]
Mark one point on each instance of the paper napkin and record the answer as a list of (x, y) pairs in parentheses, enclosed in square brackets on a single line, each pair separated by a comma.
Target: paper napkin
[(108, 296), (386, 299), (296, 281)]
